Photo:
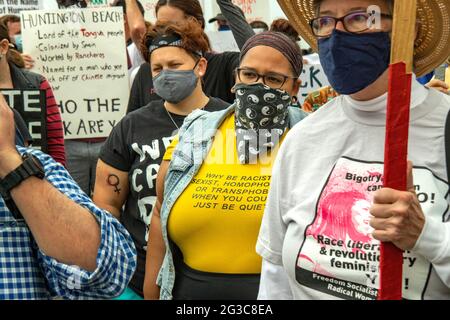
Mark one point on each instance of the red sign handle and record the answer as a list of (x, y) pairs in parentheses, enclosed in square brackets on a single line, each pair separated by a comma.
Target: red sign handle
[(395, 171)]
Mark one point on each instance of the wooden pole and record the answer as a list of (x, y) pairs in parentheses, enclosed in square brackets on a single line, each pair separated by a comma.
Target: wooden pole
[(404, 32), (447, 76), (397, 129)]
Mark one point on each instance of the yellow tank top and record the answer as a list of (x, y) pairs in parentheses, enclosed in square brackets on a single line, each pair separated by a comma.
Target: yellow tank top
[(216, 221)]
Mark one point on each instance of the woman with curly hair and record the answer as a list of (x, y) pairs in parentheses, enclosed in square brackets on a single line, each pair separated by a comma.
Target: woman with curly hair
[(218, 79)]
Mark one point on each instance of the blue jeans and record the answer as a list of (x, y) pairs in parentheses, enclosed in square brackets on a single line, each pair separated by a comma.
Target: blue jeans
[(82, 159)]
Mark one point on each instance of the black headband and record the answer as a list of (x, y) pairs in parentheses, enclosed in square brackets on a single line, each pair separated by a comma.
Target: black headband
[(172, 40)]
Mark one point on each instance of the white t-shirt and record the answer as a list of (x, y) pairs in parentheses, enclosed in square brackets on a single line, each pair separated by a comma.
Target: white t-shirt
[(316, 229)]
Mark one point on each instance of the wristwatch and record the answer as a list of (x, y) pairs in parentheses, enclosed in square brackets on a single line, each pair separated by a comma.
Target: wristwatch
[(31, 167)]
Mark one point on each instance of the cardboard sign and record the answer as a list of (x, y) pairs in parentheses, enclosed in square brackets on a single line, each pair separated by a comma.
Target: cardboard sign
[(31, 104), (313, 78), (82, 52), (16, 6)]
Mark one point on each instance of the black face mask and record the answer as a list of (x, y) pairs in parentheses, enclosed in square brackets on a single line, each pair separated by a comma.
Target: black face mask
[(261, 115)]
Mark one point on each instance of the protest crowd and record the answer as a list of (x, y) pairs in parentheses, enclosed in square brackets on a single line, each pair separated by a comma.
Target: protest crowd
[(156, 159)]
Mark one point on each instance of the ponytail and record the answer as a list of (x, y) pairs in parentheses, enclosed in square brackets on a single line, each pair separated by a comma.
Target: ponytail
[(14, 56)]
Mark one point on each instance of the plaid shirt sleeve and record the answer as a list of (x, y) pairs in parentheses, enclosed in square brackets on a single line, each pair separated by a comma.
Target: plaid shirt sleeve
[(116, 258)]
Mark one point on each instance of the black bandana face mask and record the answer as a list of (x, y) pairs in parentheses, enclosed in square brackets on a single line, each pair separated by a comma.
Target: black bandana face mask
[(261, 115)]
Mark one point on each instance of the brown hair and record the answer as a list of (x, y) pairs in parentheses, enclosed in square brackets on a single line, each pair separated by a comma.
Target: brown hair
[(258, 24), (189, 31), (13, 56), (9, 18), (190, 8), (284, 26)]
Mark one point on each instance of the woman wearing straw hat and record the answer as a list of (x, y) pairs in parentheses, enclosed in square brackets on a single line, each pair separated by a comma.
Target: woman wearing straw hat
[(308, 251)]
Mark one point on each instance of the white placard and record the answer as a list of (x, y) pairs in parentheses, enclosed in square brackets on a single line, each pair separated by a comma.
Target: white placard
[(313, 78), (253, 9), (82, 52), (149, 7), (16, 6), (222, 41)]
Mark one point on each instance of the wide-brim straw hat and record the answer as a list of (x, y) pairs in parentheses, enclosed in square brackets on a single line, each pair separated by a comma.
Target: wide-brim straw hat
[(432, 46)]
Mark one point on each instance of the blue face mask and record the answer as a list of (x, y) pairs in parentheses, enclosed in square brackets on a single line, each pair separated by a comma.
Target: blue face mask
[(354, 61), (18, 41)]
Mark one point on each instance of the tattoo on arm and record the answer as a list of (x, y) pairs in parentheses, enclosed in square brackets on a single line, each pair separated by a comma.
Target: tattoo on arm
[(114, 181)]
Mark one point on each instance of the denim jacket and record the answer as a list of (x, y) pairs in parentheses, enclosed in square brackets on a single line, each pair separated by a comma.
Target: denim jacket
[(196, 137)]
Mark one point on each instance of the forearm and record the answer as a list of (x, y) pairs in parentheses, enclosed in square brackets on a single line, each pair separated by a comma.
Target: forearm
[(242, 31), (109, 208), (136, 21), (62, 229), (434, 245), (155, 256)]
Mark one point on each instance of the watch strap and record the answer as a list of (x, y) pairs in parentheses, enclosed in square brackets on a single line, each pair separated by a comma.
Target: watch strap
[(28, 168), (31, 166)]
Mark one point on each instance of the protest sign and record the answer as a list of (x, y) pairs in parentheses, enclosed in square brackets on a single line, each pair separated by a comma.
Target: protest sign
[(149, 7), (253, 9), (222, 41), (313, 78), (31, 106), (82, 52), (16, 6)]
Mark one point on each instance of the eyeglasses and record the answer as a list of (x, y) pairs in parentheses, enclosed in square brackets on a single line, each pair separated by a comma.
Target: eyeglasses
[(354, 22), (273, 80)]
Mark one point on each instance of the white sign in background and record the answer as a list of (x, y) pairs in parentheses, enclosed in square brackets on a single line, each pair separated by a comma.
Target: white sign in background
[(82, 52), (222, 41), (253, 9), (149, 7), (16, 6)]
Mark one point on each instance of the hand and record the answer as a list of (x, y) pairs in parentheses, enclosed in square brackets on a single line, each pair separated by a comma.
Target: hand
[(29, 61), (9, 157), (398, 216), (438, 85)]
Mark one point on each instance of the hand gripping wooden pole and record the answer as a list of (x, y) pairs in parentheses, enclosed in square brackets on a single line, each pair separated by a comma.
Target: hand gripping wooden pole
[(397, 128)]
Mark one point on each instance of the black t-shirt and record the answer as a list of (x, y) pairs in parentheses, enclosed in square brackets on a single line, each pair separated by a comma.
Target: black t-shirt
[(142, 92), (218, 80), (137, 145), (219, 77)]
